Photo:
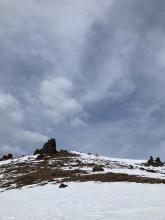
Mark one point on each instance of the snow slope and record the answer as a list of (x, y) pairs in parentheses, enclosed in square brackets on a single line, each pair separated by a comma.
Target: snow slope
[(90, 201)]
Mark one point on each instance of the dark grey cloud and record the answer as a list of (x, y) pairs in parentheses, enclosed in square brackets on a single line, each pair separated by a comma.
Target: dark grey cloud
[(90, 74)]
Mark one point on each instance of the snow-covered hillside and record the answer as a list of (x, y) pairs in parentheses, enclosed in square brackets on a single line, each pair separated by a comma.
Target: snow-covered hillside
[(67, 166), (122, 189)]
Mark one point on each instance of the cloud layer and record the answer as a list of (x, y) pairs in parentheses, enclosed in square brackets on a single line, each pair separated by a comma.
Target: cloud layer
[(89, 73)]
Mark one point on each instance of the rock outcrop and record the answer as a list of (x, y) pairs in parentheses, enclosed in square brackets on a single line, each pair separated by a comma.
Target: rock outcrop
[(155, 163), (7, 157), (49, 148)]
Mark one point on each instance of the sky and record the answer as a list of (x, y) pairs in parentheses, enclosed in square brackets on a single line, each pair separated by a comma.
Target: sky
[(89, 73)]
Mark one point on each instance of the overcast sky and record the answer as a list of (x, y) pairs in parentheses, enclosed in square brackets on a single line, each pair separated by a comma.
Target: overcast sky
[(89, 73)]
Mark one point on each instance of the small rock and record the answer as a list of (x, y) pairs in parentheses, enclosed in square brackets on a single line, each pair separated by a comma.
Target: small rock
[(62, 185), (97, 168)]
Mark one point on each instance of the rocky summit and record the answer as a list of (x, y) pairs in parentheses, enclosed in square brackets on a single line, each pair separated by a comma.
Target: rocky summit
[(49, 148)]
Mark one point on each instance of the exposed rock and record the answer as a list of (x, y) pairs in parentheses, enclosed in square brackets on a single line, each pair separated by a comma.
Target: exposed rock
[(158, 161), (97, 168), (40, 157), (155, 163), (151, 171), (78, 161), (49, 148), (62, 185), (37, 151), (7, 157), (150, 161)]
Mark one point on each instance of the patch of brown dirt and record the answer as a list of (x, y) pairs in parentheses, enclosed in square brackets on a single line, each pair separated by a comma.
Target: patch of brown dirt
[(114, 177)]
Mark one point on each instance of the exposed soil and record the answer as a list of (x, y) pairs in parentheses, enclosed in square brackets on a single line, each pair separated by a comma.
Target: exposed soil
[(114, 177)]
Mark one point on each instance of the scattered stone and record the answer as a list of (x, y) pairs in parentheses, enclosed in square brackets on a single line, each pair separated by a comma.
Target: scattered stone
[(131, 167), (62, 185), (97, 168)]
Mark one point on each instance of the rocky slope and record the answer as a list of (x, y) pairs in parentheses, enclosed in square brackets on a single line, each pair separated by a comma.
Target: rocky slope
[(64, 166)]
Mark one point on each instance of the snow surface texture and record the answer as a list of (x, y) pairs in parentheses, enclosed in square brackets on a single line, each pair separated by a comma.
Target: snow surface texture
[(79, 201)]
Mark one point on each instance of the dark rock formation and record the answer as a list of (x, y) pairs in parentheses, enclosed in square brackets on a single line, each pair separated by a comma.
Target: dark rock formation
[(150, 161), (97, 168), (155, 163), (40, 157), (158, 161), (7, 157), (62, 185), (37, 151), (49, 148)]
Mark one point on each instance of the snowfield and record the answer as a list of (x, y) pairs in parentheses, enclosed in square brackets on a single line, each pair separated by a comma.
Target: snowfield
[(89, 200)]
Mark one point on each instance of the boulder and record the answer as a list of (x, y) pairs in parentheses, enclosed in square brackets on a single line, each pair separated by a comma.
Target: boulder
[(62, 185), (97, 168)]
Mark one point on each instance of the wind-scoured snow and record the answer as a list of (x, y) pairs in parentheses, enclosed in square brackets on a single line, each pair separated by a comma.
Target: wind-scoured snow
[(90, 201)]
